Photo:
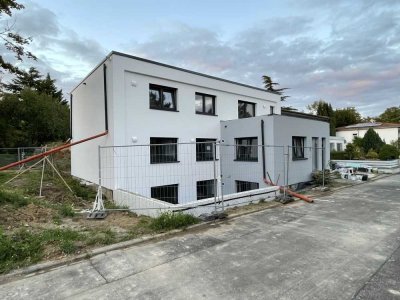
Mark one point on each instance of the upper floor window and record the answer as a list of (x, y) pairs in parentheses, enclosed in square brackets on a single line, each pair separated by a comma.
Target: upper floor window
[(162, 97), (205, 149), (298, 147), (246, 109), (205, 104), (271, 110), (163, 150), (247, 149)]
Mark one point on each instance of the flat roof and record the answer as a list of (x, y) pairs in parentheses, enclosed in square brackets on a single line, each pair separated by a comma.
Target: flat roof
[(296, 114), (171, 67), (372, 125)]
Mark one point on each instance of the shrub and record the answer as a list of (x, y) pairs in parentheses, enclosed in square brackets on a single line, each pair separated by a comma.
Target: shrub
[(372, 140), (171, 220), (372, 154), (338, 155), (318, 178), (15, 199), (66, 211), (388, 152)]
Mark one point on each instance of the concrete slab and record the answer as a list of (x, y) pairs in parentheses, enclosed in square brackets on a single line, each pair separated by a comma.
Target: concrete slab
[(345, 245)]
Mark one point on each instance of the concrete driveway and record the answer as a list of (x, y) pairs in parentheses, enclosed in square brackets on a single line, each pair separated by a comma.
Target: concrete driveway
[(344, 246)]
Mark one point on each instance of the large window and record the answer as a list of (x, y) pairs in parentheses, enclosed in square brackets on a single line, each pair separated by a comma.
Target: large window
[(205, 104), (205, 189), (242, 186), (246, 109), (204, 149), (298, 147), (163, 150), (167, 193), (247, 149), (162, 97)]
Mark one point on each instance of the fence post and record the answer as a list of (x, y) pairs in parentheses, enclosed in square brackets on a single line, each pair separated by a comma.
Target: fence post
[(100, 190), (214, 152), (221, 177), (323, 167)]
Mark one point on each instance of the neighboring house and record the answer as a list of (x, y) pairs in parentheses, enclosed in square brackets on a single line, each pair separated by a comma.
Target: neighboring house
[(389, 132), (148, 103), (337, 143)]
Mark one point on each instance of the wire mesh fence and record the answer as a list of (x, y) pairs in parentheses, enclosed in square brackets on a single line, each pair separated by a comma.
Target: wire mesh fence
[(11, 155), (165, 175)]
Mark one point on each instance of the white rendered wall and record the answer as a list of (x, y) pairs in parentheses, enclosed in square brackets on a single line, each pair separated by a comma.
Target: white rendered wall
[(388, 135), (335, 140)]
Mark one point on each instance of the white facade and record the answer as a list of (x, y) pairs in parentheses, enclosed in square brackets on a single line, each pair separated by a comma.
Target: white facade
[(388, 132), (131, 122), (337, 143)]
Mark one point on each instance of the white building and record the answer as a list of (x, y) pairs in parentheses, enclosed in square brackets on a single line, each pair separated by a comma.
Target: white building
[(337, 143), (389, 132), (158, 112)]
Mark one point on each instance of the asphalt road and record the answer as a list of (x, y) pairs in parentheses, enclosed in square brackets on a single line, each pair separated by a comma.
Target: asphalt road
[(344, 246)]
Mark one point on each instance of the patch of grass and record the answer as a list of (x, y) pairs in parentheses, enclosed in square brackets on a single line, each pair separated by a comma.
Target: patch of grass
[(64, 238), (108, 204), (57, 220), (101, 237), (13, 198), (66, 210), (21, 249), (81, 190), (170, 220)]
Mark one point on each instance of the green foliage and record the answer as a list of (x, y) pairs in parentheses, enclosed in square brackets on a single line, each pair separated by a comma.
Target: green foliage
[(388, 152), (347, 116), (320, 177), (13, 198), (101, 237), (338, 155), (371, 154), (391, 115), (171, 220), (20, 249), (372, 140), (13, 41), (32, 119), (350, 151), (322, 108), (358, 142), (271, 87), (66, 211)]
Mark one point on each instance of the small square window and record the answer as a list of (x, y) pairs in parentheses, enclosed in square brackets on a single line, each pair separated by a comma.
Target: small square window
[(246, 109), (205, 104), (298, 147), (167, 193), (163, 150), (242, 186), (205, 149), (205, 189), (162, 97), (247, 149)]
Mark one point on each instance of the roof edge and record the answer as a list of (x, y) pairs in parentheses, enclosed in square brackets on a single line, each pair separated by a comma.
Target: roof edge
[(302, 115)]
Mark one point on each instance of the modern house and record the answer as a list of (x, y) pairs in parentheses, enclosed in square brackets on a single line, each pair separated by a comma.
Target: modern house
[(337, 143), (389, 132), (164, 123)]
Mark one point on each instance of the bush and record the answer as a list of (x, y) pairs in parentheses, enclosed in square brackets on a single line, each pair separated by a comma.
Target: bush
[(372, 154), (15, 199), (171, 220), (318, 178), (338, 155), (372, 140), (388, 152), (66, 211)]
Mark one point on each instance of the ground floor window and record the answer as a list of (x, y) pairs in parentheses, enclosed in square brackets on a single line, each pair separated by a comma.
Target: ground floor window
[(205, 189), (167, 193), (204, 149), (163, 150), (242, 186), (298, 147), (246, 149)]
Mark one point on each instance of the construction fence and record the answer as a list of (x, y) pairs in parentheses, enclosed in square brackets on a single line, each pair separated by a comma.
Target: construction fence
[(11, 155), (202, 177)]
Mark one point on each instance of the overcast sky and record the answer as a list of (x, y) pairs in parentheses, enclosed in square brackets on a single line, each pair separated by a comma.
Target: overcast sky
[(345, 52)]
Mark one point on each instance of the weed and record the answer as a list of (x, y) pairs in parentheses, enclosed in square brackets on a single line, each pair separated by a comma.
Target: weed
[(102, 237), (170, 220), (67, 247), (21, 249), (66, 211), (15, 199), (111, 205), (57, 220)]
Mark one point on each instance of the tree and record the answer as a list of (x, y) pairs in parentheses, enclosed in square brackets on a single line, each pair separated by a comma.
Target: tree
[(34, 80), (372, 140), (322, 108), (13, 42), (391, 115), (31, 118), (270, 87), (347, 116), (388, 152)]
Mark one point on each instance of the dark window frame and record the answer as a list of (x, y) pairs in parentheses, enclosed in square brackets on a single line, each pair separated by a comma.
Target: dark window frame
[(272, 110), (246, 103), (244, 151), (207, 186), (161, 89), (202, 154), (203, 100), (298, 147), (157, 190), (156, 147), (244, 186)]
